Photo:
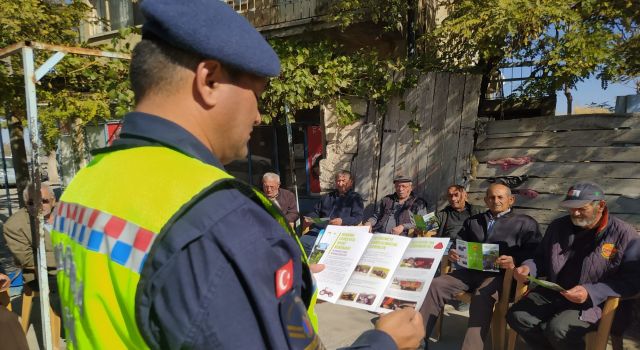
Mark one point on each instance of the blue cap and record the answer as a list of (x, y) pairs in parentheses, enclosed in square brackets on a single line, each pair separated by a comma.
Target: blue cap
[(211, 29), (582, 194)]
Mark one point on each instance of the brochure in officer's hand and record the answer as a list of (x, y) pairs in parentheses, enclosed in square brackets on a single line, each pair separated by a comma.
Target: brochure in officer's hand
[(376, 272), (546, 284)]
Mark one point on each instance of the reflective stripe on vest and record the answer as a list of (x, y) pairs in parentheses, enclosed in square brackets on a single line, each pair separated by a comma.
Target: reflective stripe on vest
[(102, 241)]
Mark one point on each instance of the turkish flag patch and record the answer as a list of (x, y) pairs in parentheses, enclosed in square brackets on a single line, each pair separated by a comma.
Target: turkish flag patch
[(284, 278)]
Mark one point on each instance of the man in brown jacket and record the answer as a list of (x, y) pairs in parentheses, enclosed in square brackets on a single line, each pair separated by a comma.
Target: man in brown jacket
[(283, 199), (17, 234)]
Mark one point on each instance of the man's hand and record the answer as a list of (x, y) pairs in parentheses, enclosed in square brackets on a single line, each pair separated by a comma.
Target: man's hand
[(453, 255), (397, 230), (505, 262), (405, 326), (520, 273), (315, 268), (5, 282), (336, 221), (577, 294)]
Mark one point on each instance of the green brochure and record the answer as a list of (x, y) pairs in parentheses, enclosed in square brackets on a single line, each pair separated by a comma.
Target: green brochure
[(478, 256), (546, 284), (427, 222)]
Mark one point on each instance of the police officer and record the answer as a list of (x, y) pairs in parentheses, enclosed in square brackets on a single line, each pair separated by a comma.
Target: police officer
[(158, 246)]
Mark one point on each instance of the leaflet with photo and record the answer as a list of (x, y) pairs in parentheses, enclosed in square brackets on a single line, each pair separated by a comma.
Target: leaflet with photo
[(317, 221), (410, 283), (478, 256), (375, 272), (339, 248), (427, 222)]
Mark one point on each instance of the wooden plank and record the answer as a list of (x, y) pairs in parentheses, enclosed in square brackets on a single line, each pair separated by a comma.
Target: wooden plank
[(578, 122), (566, 170), (566, 154), (426, 86), (616, 204), (467, 127), (590, 138), (364, 168), (559, 185), (451, 132), (434, 187), (388, 151), (304, 8), (405, 162)]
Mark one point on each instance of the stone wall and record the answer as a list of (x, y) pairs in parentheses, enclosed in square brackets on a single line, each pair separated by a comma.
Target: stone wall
[(341, 143)]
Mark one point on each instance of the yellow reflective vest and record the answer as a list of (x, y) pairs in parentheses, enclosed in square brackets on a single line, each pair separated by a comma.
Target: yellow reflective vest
[(105, 226)]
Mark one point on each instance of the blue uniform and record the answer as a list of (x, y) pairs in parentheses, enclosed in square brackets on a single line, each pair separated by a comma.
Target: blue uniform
[(210, 282)]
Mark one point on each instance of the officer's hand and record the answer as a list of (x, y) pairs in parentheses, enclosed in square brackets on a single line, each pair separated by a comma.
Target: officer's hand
[(315, 268), (397, 230), (505, 262), (405, 326), (336, 221), (453, 255), (577, 294), (5, 282), (520, 274)]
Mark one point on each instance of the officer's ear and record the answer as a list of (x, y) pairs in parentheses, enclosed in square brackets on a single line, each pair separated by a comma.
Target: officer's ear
[(209, 74)]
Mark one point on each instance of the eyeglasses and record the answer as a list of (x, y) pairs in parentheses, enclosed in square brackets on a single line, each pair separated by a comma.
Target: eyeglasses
[(44, 201)]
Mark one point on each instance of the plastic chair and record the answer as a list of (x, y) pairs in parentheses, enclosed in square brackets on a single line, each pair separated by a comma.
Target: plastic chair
[(498, 319), (27, 303)]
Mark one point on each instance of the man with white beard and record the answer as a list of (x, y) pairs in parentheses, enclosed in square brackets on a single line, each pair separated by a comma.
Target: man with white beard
[(592, 255)]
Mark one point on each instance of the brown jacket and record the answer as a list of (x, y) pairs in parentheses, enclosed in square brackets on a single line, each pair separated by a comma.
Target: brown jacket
[(288, 204), (17, 234)]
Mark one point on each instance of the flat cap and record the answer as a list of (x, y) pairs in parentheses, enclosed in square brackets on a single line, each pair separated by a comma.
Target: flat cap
[(582, 194), (211, 29), (402, 178)]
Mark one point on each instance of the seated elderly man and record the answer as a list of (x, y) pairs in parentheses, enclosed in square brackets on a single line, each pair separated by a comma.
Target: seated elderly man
[(590, 254), (17, 234), (453, 216), (283, 199), (516, 234), (343, 206), (396, 211)]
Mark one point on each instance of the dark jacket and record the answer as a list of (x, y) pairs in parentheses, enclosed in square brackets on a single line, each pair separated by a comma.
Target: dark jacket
[(517, 234), (611, 269), (443, 219), (349, 207), (288, 204), (413, 205), (213, 270)]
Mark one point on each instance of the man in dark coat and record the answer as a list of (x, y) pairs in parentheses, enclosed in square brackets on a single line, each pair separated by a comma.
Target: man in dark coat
[(453, 216), (283, 199), (396, 211), (589, 254), (516, 234)]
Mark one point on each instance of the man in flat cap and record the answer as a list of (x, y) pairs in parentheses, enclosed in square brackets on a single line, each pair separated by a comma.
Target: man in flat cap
[(158, 246), (589, 254), (396, 211), (517, 236)]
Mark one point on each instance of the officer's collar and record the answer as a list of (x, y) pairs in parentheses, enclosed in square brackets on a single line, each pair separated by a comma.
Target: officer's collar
[(140, 129)]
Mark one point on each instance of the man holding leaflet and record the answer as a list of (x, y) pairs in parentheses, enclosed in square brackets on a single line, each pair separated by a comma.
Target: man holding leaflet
[(516, 234), (592, 255)]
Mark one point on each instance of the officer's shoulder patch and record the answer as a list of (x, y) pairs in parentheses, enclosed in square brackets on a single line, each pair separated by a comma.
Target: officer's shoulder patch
[(296, 323)]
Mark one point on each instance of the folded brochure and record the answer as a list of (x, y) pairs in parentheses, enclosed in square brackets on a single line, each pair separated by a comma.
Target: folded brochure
[(546, 284)]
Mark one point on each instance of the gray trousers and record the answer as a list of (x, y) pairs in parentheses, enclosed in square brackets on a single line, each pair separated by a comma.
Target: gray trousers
[(485, 287), (546, 320)]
